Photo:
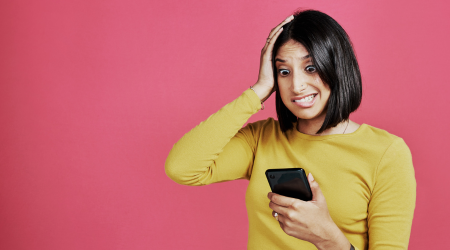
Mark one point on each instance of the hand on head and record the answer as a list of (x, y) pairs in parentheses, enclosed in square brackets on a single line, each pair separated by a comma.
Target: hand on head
[(265, 85)]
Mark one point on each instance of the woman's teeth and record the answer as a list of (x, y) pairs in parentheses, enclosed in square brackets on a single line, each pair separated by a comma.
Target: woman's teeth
[(306, 99)]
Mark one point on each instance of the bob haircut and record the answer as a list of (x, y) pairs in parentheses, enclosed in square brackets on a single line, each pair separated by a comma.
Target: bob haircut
[(332, 53)]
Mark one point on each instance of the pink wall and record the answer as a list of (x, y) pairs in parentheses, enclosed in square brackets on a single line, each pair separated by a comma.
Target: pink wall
[(93, 95)]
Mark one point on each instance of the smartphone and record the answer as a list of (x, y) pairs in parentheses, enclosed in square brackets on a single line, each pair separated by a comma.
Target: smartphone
[(290, 182)]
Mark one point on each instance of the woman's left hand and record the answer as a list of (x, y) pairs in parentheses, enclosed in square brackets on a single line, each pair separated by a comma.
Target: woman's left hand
[(306, 220)]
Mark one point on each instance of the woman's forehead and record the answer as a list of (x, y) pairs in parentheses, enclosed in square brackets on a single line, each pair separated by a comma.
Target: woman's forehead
[(292, 50)]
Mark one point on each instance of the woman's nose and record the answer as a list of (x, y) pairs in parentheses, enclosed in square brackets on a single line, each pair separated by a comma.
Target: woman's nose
[(299, 84)]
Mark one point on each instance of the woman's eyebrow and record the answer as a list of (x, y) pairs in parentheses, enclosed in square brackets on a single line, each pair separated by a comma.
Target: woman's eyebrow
[(301, 58)]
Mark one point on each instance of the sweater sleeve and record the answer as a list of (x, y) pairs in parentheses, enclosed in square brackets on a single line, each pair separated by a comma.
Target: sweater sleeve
[(391, 206), (219, 148)]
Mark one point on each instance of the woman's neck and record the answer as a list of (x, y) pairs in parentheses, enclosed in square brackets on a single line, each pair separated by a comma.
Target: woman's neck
[(311, 127)]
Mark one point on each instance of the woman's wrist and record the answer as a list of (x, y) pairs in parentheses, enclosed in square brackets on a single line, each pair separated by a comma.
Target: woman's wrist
[(338, 241), (262, 91)]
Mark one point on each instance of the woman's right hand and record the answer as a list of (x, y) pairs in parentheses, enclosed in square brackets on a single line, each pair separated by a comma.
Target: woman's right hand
[(265, 85)]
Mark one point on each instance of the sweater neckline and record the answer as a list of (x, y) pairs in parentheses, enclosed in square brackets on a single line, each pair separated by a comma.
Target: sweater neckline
[(299, 134)]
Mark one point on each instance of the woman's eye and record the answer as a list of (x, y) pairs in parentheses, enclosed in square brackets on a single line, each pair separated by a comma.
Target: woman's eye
[(284, 72), (310, 69)]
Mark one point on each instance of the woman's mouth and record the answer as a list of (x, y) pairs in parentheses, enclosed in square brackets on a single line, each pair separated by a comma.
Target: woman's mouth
[(306, 101)]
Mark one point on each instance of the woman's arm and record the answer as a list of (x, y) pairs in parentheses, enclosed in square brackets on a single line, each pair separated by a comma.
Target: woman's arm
[(393, 199), (218, 149)]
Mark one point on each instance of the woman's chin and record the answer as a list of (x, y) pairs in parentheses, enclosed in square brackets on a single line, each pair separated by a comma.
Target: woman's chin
[(310, 115)]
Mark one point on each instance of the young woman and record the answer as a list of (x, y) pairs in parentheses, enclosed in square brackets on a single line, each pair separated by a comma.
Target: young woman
[(367, 192)]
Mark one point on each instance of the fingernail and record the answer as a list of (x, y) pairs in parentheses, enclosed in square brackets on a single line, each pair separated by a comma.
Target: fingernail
[(312, 177)]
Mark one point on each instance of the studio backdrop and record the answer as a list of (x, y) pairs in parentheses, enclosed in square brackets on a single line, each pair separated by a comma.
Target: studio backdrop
[(94, 94)]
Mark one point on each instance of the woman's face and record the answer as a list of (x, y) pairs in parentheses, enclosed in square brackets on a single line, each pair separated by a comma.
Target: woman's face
[(299, 84)]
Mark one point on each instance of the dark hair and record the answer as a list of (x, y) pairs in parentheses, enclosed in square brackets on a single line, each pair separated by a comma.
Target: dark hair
[(332, 53)]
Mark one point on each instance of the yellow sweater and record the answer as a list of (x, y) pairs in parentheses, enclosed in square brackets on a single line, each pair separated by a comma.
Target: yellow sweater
[(367, 176)]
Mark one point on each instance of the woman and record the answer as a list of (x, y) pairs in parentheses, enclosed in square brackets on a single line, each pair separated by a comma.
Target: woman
[(367, 191)]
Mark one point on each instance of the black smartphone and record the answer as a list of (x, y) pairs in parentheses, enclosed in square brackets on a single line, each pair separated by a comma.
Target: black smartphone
[(290, 182)]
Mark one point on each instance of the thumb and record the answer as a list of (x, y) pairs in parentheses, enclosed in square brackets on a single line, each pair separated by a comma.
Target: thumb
[(315, 189)]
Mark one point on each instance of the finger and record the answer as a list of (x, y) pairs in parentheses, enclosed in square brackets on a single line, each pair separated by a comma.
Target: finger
[(279, 217), (275, 30), (275, 215), (315, 189), (281, 200), (270, 42), (278, 209), (281, 220)]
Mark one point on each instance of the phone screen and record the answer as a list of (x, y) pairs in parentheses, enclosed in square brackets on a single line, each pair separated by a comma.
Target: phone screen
[(290, 182)]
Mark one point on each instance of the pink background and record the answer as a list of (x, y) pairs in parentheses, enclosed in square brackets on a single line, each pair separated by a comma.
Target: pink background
[(93, 95)]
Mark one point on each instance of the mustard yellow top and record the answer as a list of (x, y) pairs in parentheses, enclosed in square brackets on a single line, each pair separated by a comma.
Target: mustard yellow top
[(367, 176)]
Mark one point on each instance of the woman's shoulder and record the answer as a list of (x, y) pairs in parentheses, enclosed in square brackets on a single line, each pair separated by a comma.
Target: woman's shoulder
[(378, 131), (376, 135), (269, 122), (264, 127)]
